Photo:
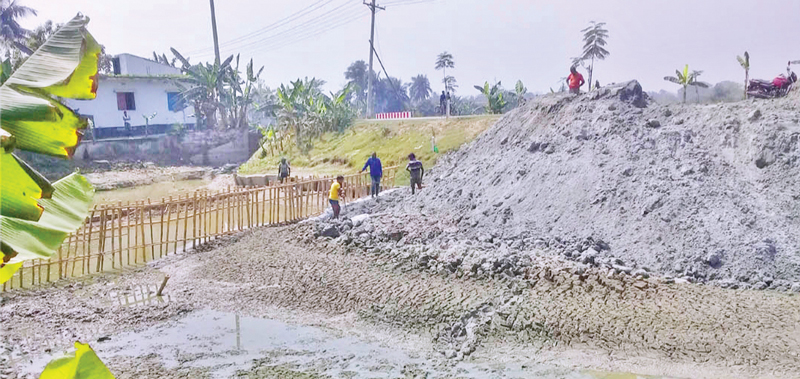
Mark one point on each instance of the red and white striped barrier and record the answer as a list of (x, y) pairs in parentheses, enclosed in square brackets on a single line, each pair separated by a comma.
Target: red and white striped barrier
[(392, 115)]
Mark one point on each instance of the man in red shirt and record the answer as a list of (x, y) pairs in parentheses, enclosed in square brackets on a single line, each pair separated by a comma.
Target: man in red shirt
[(575, 81)]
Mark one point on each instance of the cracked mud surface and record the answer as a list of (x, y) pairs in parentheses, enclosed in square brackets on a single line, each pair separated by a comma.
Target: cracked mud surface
[(547, 321)]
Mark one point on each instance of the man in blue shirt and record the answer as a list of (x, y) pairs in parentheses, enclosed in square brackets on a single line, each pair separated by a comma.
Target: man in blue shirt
[(376, 172)]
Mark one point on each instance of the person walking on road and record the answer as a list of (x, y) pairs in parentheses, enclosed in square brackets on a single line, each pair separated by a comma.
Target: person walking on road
[(375, 172), (416, 170), (575, 81), (284, 170), (335, 194)]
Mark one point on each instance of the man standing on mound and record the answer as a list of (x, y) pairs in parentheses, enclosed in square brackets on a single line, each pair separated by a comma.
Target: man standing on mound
[(575, 81), (414, 167), (375, 172)]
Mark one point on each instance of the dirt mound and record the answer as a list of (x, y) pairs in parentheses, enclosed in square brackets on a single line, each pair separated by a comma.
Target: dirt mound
[(703, 192), (708, 192)]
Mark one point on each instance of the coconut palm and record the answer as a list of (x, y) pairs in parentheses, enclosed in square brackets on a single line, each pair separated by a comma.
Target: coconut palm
[(745, 63), (12, 35), (443, 62), (594, 39), (685, 79), (420, 89)]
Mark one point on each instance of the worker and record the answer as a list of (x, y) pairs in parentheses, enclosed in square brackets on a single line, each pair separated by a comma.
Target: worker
[(575, 81), (284, 170), (416, 171), (375, 173), (335, 194)]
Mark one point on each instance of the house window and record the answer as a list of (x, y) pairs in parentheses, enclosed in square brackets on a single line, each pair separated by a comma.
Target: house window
[(116, 66), (125, 101), (174, 101)]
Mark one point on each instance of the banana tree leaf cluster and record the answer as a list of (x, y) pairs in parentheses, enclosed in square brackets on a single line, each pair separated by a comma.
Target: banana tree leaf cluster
[(305, 112), (494, 97), (35, 215), (218, 90), (686, 79)]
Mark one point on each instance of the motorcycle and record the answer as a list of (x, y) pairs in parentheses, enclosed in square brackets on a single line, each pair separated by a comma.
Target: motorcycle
[(765, 89), (778, 87)]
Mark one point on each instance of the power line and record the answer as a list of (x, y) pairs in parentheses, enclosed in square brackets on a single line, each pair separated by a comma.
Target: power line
[(317, 21), (309, 9), (327, 22)]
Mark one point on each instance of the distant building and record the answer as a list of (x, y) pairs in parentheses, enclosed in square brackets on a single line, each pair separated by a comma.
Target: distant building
[(138, 87)]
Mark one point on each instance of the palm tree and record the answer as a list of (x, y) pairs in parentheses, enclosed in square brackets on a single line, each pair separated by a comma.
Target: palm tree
[(357, 79), (745, 63), (443, 62), (420, 89), (594, 39), (685, 79), (450, 84), (12, 35)]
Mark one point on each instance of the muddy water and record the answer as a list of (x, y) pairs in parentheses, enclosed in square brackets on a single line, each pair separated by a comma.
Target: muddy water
[(226, 345), (154, 191)]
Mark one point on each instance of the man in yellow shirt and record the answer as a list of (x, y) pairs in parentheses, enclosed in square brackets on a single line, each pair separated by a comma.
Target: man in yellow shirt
[(335, 194)]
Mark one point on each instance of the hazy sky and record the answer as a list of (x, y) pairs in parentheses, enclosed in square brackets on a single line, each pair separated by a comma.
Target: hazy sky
[(490, 40)]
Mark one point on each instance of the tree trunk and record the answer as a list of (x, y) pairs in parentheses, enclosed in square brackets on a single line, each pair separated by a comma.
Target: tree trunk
[(746, 82), (23, 48), (591, 70), (685, 89)]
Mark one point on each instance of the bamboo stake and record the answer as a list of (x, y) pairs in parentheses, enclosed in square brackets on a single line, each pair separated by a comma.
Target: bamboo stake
[(194, 221), (185, 221), (152, 237), (133, 215)]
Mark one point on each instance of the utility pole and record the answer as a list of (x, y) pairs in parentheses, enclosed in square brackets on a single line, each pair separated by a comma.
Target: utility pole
[(217, 60), (373, 8)]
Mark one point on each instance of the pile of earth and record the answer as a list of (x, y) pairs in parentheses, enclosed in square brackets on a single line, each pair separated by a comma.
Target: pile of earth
[(702, 193)]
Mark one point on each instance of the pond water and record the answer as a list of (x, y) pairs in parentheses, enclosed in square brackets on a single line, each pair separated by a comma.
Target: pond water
[(154, 191), (229, 345)]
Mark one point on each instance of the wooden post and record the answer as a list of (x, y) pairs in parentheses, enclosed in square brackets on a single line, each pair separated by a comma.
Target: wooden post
[(163, 209), (194, 220), (185, 221)]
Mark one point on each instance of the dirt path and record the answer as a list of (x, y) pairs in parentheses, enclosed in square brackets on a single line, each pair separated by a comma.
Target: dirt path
[(542, 324)]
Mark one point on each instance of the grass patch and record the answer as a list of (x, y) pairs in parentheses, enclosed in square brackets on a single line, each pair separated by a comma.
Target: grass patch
[(393, 140)]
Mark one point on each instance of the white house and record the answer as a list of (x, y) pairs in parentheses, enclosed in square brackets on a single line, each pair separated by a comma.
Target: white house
[(139, 87)]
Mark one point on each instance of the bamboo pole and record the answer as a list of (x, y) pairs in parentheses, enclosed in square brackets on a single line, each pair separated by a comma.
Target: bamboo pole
[(152, 236), (132, 215), (141, 229), (185, 221), (194, 221)]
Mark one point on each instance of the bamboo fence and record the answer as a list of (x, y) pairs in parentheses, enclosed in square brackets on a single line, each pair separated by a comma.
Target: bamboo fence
[(115, 236)]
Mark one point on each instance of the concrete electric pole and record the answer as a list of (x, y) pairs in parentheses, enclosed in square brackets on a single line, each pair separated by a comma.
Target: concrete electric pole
[(217, 60), (373, 8)]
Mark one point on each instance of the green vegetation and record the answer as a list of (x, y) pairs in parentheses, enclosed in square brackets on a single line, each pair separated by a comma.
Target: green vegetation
[(35, 215), (82, 364), (686, 79), (594, 39), (494, 97), (338, 153)]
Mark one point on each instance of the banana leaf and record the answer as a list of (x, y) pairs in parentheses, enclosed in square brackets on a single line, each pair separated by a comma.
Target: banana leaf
[(63, 213), (82, 364), (36, 216)]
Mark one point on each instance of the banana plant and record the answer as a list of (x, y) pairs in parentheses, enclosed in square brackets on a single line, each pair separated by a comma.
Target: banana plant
[(745, 63), (686, 79), (494, 96), (36, 215)]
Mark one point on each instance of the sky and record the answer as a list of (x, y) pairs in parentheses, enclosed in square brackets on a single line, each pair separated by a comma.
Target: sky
[(503, 40)]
